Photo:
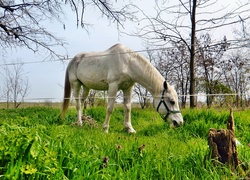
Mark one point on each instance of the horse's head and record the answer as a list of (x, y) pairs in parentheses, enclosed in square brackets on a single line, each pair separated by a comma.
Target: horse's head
[(168, 105)]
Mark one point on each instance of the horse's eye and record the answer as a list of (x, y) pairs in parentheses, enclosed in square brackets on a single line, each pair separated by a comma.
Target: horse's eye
[(172, 102)]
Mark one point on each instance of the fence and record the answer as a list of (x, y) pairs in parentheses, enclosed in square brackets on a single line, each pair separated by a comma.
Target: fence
[(201, 98)]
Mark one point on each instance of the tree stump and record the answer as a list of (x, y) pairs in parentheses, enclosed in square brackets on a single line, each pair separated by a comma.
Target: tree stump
[(222, 144)]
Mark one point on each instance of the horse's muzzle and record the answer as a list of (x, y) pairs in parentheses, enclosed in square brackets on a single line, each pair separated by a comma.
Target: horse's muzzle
[(176, 124)]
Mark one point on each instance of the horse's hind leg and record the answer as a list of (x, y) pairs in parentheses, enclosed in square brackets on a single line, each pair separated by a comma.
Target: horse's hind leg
[(110, 107), (85, 94), (76, 86), (127, 95)]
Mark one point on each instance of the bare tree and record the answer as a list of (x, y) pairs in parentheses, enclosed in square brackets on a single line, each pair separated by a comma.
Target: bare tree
[(143, 95), (236, 71), (21, 21), (21, 24), (181, 72), (180, 21), (192, 12), (209, 64), (173, 64), (16, 84)]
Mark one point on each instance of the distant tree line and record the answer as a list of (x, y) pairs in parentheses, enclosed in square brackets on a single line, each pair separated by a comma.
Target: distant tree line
[(220, 72)]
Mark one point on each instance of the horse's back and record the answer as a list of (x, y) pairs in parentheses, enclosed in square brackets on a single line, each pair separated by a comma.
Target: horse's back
[(97, 69)]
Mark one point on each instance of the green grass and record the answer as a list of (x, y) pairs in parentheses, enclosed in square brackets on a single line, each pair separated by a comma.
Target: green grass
[(35, 145)]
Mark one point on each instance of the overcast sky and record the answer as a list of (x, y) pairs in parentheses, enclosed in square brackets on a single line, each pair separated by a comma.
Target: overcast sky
[(46, 79)]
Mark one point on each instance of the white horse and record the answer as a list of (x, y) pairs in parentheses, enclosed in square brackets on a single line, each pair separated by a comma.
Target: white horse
[(118, 68)]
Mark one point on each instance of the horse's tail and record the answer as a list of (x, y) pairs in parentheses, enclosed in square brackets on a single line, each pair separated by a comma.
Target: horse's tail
[(67, 94)]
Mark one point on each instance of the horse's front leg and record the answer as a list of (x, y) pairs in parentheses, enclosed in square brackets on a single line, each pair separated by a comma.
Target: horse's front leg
[(111, 100), (127, 110)]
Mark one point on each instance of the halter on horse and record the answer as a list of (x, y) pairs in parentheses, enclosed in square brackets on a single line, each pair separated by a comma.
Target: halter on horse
[(164, 117)]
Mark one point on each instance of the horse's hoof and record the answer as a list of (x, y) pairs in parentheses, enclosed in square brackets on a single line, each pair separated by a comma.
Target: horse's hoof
[(129, 130), (105, 129)]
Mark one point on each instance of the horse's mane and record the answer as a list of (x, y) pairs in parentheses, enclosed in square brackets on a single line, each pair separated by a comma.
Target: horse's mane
[(142, 62)]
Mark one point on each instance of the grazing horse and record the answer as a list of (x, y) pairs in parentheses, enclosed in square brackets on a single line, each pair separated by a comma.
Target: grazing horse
[(118, 68)]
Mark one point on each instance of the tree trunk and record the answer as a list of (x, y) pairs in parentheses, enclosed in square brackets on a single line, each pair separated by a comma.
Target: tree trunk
[(222, 145), (192, 59)]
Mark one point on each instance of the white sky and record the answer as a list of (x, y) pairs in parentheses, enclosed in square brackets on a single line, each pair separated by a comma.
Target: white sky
[(47, 78)]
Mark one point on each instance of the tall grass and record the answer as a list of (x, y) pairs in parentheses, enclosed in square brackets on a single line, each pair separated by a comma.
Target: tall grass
[(35, 145)]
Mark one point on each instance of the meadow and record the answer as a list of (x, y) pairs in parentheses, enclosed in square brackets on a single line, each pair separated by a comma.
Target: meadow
[(34, 144)]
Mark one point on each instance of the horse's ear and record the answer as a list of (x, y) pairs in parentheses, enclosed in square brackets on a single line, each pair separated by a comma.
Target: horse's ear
[(165, 85)]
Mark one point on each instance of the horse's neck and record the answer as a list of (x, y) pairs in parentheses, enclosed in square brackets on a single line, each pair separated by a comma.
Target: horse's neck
[(146, 75)]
